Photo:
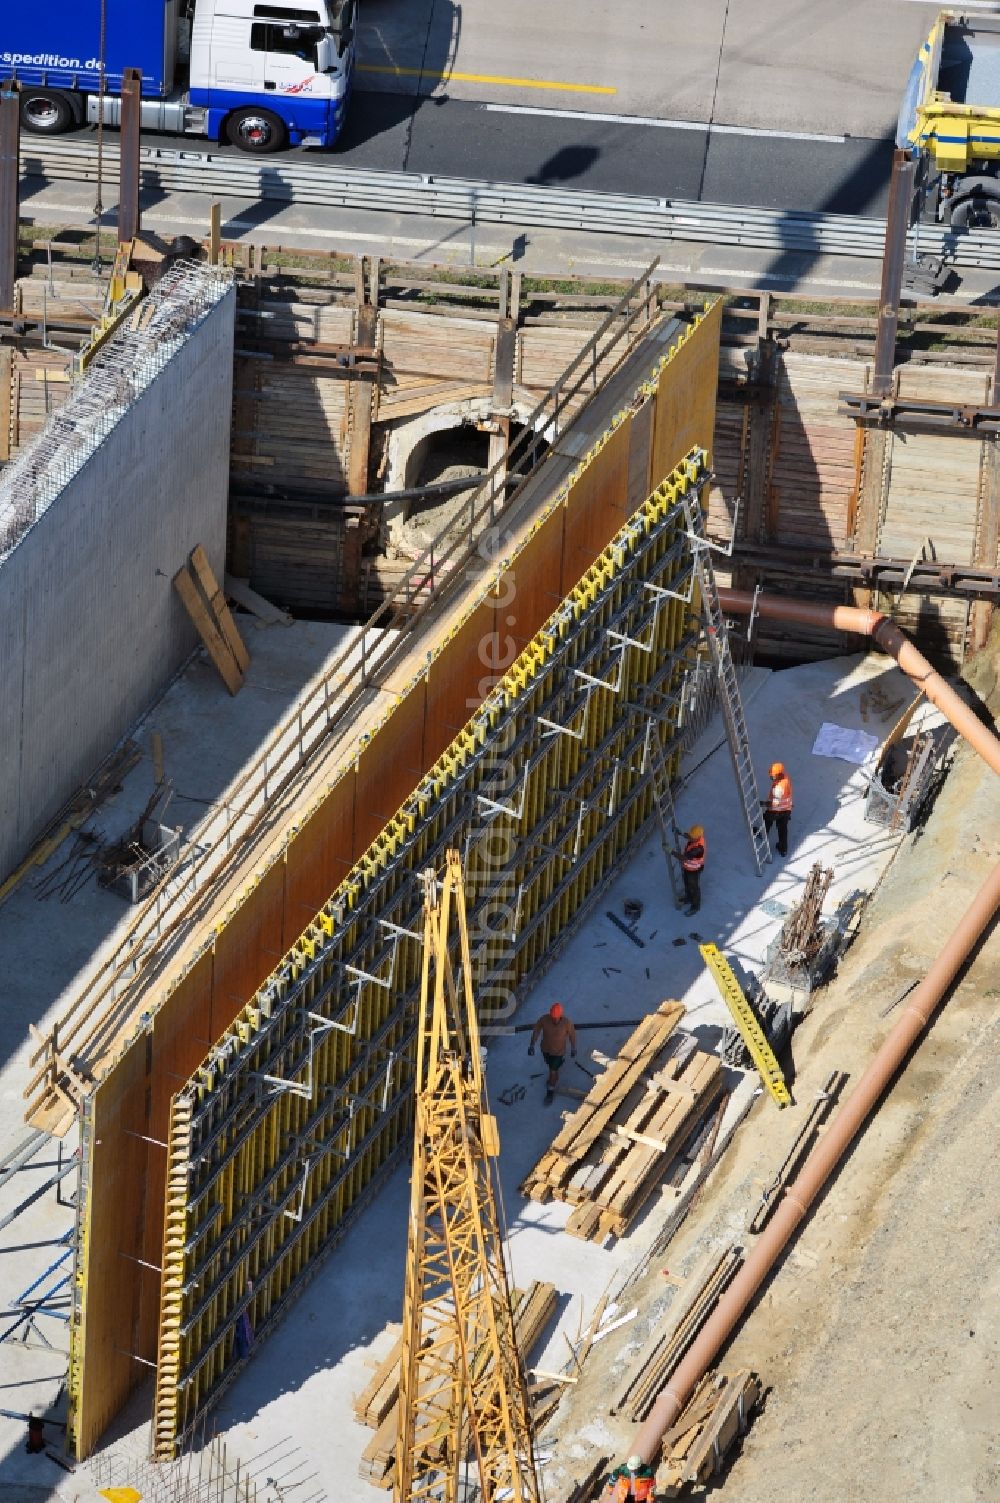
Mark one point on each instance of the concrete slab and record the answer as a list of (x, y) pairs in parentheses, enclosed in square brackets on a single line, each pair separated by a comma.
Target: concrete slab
[(303, 1384), (44, 942), (299, 1390)]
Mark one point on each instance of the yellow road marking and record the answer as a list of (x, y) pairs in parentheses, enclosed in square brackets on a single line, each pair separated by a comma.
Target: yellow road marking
[(488, 78)]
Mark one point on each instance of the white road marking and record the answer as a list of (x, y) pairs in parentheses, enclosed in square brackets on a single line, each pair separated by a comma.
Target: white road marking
[(604, 117)]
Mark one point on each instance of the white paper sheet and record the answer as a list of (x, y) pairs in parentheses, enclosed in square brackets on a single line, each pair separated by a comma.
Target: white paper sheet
[(847, 745)]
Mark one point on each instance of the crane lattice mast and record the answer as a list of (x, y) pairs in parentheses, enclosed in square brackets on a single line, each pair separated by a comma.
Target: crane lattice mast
[(463, 1396)]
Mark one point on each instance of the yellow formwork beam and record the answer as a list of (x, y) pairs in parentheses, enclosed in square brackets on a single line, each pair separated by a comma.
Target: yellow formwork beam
[(746, 1021), (577, 794)]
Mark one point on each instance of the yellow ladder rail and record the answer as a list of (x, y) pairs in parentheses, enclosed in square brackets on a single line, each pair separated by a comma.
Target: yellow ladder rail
[(745, 1019)]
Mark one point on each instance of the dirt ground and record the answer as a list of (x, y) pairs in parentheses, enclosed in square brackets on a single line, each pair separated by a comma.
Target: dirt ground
[(877, 1336)]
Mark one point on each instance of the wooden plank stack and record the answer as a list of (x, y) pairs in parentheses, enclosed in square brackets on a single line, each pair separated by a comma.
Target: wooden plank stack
[(713, 1419), (377, 1405), (432, 358), (656, 1364), (637, 1118)]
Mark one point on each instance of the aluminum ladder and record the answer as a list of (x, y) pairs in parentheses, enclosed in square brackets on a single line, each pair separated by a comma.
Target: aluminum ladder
[(666, 815), (729, 689)]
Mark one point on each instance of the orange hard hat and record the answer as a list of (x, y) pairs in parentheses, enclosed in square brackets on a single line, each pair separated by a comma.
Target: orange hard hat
[(776, 770), (555, 1011), (696, 832)]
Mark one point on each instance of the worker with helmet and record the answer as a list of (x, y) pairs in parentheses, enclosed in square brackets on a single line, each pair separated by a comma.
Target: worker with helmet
[(633, 1481), (692, 860), (556, 1032), (778, 805)]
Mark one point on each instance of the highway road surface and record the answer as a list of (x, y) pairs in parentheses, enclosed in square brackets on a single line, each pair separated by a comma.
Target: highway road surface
[(775, 103), (779, 103)]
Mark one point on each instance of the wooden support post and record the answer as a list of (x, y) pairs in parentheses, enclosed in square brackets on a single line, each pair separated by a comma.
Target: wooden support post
[(215, 234), (361, 394), (10, 169), (763, 416), (871, 499), (128, 168), (987, 539), (503, 374), (897, 226), (6, 395), (360, 397), (204, 602), (503, 389)]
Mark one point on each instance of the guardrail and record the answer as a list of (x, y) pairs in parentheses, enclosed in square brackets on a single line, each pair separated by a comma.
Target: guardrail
[(308, 181)]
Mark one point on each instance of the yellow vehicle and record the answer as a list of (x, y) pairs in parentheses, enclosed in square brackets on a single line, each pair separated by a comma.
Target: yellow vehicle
[(950, 118)]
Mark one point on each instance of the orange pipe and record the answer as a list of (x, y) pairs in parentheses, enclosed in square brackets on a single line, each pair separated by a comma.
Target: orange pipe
[(892, 640), (920, 1007)]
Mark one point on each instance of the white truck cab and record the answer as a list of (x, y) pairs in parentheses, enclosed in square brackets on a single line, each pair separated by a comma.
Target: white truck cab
[(260, 73), (268, 71)]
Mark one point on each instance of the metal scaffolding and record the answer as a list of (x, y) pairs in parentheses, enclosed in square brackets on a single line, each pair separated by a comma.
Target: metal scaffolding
[(301, 1109)]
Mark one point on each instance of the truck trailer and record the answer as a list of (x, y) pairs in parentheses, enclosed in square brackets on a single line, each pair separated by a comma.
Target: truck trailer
[(950, 120), (260, 75)]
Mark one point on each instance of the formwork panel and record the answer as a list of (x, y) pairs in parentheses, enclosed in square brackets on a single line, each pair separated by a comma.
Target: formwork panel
[(685, 402), (382, 782), (459, 676), (319, 855), (330, 1032), (535, 577), (108, 1285), (354, 964), (596, 506), (245, 948)]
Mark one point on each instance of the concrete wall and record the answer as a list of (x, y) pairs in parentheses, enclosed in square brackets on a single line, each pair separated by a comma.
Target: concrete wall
[(90, 626)]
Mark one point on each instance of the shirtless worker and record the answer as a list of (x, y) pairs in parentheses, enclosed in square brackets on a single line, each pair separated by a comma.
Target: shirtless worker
[(556, 1032)]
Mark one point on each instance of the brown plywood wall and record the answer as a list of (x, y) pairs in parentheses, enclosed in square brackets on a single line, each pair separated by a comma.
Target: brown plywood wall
[(431, 358), (685, 407), (279, 901), (812, 483), (33, 384), (813, 463)]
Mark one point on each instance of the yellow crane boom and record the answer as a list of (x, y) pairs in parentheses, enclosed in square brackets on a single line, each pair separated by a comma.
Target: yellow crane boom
[(463, 1397)]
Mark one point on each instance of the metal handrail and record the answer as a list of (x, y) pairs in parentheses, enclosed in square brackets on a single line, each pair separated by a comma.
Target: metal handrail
[(256, 793), (308, 181)]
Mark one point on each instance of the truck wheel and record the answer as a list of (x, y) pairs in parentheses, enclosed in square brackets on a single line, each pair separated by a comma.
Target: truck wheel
[(46, 112), (257, 130), (977, 211)]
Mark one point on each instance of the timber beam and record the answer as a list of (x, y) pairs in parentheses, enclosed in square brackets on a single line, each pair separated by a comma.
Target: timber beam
[(10, 136), (928, 577), (952, 418)]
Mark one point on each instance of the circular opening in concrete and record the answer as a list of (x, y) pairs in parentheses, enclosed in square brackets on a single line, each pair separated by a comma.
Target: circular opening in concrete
[(450, 454)]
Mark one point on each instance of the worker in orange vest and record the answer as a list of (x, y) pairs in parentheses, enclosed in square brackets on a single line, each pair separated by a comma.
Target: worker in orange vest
[(778, 805), (633, 1481), (692, 860), (556, 1032)]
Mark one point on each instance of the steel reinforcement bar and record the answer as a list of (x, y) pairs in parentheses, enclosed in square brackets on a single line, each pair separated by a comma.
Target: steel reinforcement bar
[(295, 1116), (471, 201)]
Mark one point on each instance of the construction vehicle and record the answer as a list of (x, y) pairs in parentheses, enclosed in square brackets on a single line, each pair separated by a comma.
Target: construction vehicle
[(463, 1398), (259, 76), (950, 120)]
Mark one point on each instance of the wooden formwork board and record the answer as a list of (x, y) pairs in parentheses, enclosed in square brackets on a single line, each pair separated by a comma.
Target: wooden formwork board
[(460, 675), (259, 918), (598, 504), (814, 462), (686, 392), (386, 966)]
